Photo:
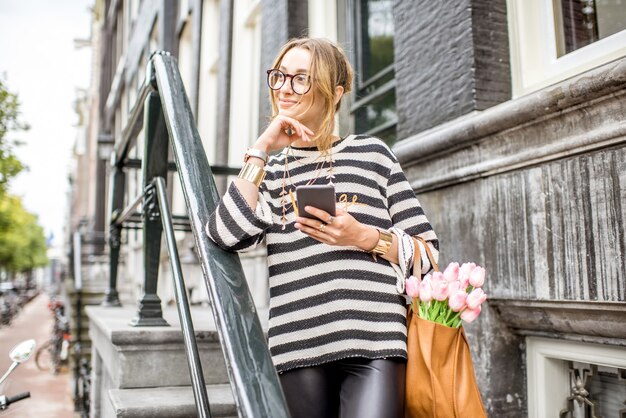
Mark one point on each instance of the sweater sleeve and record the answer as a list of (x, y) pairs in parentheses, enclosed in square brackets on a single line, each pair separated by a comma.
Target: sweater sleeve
[(234, 226), (407, 214)]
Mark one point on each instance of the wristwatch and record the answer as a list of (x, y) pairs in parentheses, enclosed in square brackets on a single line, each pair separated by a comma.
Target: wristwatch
[(253, 152), (385, 239)]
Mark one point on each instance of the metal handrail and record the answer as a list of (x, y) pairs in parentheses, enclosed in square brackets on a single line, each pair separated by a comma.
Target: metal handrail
[(119, 218), (167, 117), (133, 126), (253, 378), (79, 396), (189, 335)]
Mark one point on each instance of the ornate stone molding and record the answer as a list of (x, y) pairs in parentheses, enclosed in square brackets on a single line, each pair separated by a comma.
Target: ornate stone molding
[(601, 322), (578, 115)]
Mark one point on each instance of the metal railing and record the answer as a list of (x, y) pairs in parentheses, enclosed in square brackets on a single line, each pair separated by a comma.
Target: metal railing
[(82, 369), (167, 118)]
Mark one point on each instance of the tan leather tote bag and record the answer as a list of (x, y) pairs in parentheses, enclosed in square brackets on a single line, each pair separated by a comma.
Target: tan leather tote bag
[(440, 380)]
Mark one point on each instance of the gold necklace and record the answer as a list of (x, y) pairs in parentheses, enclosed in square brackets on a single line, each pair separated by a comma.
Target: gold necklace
[(287, 177)]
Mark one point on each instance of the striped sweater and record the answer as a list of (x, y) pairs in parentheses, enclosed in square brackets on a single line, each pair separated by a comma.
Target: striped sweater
[(328, 302)]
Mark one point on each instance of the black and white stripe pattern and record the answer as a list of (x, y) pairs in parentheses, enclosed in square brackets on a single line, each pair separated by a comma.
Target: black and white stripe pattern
[(329, 302)]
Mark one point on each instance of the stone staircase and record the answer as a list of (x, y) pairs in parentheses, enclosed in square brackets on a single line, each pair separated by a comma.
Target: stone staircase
[(141, 372)]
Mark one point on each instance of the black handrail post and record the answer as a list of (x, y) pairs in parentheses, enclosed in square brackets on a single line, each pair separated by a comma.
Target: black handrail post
[(186, 324), (78, 288), (154, 165), (118, 180)]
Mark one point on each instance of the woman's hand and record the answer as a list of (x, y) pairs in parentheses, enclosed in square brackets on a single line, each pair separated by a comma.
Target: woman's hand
[(341, 229), (275, 136)]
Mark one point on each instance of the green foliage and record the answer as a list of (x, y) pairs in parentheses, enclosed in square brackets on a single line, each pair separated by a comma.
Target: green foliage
[(10, 166), (22, 240)]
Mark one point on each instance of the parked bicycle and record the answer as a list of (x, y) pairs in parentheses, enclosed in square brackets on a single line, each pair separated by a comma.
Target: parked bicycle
[(9, 302), (53, 354)]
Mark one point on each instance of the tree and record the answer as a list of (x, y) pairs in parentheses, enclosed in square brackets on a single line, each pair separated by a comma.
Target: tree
[(22, 240), (10, 165)]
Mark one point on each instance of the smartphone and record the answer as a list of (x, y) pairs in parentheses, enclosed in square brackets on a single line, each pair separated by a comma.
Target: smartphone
[(321, 196)]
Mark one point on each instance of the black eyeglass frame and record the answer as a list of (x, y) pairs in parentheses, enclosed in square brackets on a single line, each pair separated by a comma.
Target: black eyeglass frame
[(285, 77)]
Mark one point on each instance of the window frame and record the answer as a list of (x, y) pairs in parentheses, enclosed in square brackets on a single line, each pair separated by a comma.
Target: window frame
[(352, 36), (534, 50), (548, 381)]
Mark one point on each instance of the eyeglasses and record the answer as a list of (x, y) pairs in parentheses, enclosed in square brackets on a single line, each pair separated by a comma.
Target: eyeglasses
[(300, 83)]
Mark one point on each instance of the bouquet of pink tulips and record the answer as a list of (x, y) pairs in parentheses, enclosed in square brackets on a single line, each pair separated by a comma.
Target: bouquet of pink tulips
[(450, 297)]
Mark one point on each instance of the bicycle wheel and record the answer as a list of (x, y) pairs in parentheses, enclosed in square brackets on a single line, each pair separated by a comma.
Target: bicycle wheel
[(44, 357)]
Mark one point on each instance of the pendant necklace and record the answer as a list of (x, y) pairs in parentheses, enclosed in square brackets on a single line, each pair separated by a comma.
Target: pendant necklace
[(288, 186)]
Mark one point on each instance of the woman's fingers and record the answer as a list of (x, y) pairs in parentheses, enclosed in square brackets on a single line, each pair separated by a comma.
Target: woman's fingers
[(298, 128), (320, 232), (319, 213)]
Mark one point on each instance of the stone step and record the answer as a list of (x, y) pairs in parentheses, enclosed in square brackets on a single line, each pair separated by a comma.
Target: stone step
[(135, 357), (170, 402)]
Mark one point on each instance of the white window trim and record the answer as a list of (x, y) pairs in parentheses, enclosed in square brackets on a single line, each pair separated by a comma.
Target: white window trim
[(548, 375), (533, 48), (323, 19), (207, 88), (245, 78), (252, 17)]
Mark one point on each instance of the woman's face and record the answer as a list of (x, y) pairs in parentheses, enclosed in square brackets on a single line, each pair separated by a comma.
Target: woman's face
[(307, 108)]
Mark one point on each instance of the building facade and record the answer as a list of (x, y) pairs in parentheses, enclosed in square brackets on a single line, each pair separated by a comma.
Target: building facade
[(507, 117)]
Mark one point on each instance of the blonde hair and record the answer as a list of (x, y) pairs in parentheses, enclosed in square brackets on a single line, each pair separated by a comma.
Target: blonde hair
[(329, 68)]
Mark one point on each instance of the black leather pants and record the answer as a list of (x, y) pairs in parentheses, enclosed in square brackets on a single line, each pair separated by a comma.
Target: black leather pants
[(349, 388)]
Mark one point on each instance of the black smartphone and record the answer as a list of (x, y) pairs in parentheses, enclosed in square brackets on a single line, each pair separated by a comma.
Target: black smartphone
[(321, 196)]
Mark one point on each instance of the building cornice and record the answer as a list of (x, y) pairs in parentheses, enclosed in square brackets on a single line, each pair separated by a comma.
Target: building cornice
[(577, 115)]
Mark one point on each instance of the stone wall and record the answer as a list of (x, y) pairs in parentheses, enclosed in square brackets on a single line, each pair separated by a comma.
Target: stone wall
[(451, 58), (534, 190)]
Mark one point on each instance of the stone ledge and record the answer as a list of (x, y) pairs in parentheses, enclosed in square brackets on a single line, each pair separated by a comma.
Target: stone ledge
[(170, 402), (578, 115), (114, 323), (601, 322)]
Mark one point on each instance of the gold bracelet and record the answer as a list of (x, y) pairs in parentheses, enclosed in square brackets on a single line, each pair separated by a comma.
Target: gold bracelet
[(385, 240), (252, 173)]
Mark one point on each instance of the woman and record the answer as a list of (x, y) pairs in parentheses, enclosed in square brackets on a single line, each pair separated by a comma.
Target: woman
[(337, 330)]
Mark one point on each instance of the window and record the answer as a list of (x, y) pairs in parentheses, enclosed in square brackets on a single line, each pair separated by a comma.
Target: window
[(552, 40), (581, 22), (371, 35), (574, 379)]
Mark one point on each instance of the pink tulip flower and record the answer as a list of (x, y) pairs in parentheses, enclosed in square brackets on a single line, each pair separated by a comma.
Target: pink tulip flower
[(454, 287), (477, 277), (475, 298), (464, 273), (468, 315), (451, 273), (412, 287), (440, 286), (456, 301), (425, 289)]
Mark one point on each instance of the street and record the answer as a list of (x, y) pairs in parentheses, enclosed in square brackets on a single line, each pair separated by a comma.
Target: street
[(50, 395)]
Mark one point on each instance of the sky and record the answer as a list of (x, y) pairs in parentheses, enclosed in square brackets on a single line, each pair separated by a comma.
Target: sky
[(38, 62)]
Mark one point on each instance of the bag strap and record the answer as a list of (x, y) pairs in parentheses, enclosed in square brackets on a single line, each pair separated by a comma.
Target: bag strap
[(429, 253)]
